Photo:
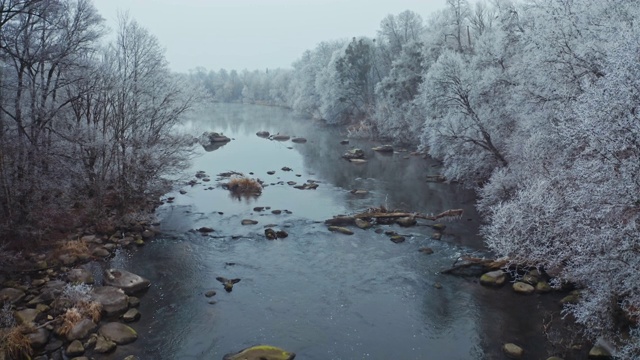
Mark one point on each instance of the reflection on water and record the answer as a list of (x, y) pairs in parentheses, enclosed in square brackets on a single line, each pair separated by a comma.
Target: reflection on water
[(320, 294)]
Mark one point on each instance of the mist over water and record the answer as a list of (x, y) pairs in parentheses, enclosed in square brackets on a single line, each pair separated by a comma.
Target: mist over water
[(319, 294)]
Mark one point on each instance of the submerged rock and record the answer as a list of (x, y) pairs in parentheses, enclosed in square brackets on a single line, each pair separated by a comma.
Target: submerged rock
[(261, 352)]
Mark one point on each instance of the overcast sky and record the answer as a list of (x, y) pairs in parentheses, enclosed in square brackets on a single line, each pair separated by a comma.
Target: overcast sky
[(254, 34)]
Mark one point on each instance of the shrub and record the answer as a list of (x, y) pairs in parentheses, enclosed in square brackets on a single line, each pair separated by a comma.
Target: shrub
[(244, 186)]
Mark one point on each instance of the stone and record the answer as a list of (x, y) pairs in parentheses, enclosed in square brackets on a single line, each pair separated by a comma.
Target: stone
[(205, 229), (101, 252), (53, 345), (11, 295), (344, 142), (119, 333), (512, 351), (554, 358), (67, 259), (599, 352), (426, 250), (299, 140), (530, 279), (359, 192), (113, 300), (260, 352), (523, 288), (80, 275), (134, 301), (131, 357), (131, 315), (27, 316), (543, 287), (129, 282), (248, 222), (406, 221), (383, 148), (75, 349), (340, 229), (148, 234), (363, 224), (354, 154), (104, 345), (263, 134), (493, 278), (280, 137), (439, 227), (39, 338), (81, 330), (210, 293), (572, 298), (397, 239), (276, 212)]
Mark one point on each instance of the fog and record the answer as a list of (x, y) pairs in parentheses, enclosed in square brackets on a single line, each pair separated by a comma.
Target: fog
[(254, 34)]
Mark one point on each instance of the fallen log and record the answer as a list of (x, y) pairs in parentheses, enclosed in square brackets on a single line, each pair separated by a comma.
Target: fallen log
[(350, 220)]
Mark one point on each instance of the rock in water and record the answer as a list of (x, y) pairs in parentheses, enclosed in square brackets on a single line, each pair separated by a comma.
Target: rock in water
[(340, 229), (119, 333), (354, 154), (493, 278), (512, 351), (261, 352), (129, 282)]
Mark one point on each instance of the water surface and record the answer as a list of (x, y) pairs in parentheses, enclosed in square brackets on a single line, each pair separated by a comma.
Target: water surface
[(319, 294)]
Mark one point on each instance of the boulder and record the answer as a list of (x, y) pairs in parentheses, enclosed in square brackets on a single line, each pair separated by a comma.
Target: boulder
[(340, 229), (129, 282), (493, 278), (38, 338), (100, 252), (354, 154), (512, 351), (27, 316), (261, 352), (104, 345), (119, 333), (113, 300), (11, 295), (523, 288), (383, 148), (81, 330), (75, 349), (209, 137), (131, 315)]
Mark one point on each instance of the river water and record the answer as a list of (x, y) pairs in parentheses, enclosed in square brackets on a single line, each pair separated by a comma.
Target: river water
[(319, 294)]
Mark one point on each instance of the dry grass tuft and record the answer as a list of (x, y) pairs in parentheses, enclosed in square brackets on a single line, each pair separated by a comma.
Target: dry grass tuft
[(90, 309), (244, 186), (69, 319), (14, 343), (75, 248)]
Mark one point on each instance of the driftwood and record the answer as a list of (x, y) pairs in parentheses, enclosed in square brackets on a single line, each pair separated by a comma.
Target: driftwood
[(474, 266), (350, 220)]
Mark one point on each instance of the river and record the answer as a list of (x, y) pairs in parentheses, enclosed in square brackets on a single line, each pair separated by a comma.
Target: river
[(319, 294)]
